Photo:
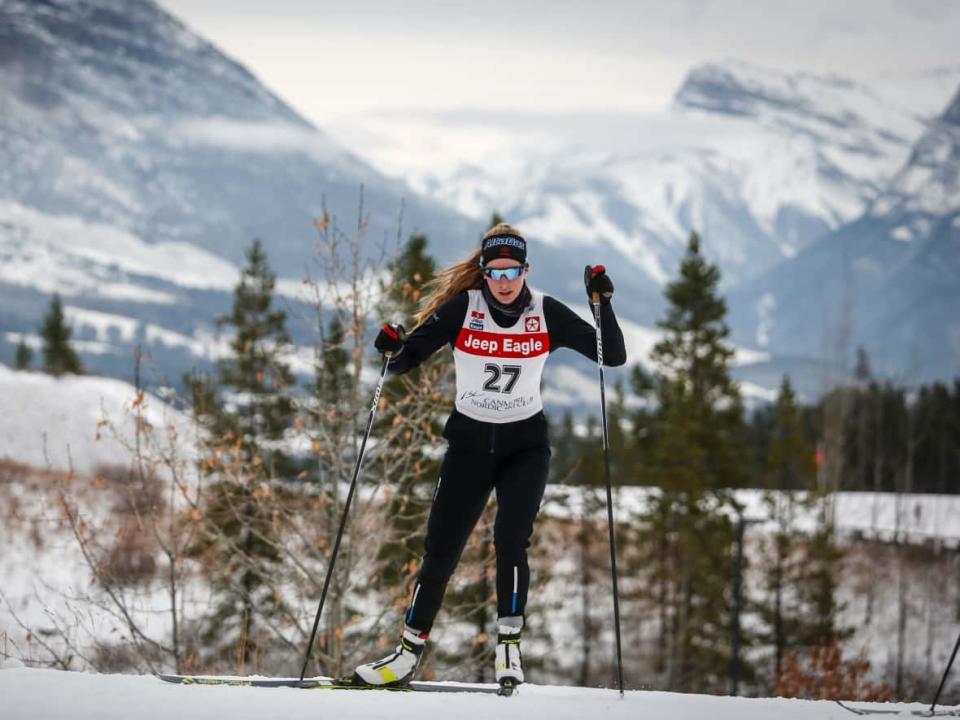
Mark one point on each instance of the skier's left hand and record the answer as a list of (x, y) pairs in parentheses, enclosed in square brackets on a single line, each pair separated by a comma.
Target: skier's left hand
[(597, 281)]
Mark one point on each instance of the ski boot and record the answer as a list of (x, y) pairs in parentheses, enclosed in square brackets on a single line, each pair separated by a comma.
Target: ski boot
[(397, 668), (508, 657)]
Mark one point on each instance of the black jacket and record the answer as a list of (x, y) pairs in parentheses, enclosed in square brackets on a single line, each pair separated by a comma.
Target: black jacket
[(565, 329)]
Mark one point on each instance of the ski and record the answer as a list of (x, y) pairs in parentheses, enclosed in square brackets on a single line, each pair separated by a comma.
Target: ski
[(328, 683), (902, 713)]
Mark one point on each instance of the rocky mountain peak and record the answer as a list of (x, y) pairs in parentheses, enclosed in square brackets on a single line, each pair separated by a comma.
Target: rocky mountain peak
[(734, 88)]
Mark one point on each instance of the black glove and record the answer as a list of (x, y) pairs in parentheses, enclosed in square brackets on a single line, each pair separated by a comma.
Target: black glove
[(390, 339), (597, 281)]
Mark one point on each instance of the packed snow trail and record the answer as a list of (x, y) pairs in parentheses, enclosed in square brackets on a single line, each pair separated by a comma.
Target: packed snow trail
[(47, 694)]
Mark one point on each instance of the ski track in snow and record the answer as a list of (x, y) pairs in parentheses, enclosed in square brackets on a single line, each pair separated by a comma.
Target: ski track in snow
[(40, 694)]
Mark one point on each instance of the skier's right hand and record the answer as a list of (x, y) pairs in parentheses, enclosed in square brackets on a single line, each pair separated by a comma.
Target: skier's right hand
[(390, 339)]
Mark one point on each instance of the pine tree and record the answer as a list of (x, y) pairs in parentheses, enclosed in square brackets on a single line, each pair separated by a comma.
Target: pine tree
[(260, 408), (818, 590), (241, 541), (59, 357), (409, 272), (789, 468), (693, 361), (862, 371), (696, 451), (24, 356), (592, 554)]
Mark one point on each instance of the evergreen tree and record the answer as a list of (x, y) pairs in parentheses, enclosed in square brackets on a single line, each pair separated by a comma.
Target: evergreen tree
[(693, 361), (241, 538), (789, 468), (260, 408), (821, 560), (696, 449), (409, 272), (862, 371), (576, 463), (204, 401), (790, 459), (592, 555), (333, 381), (24, 356), (59, 357), (936, 456)]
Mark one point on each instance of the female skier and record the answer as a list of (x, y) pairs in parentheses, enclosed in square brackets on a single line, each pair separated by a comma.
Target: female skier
[(501, 333)]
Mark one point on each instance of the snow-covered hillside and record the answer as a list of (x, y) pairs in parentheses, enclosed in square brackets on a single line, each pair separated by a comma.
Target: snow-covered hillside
[(116, 112), (75, 421), (138, 162), (41, 694)]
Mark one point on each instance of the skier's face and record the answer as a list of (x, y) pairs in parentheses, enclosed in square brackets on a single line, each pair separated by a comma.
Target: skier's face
[(503, 288)]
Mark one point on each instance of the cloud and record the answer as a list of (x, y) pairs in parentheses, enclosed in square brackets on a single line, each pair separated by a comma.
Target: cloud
[(334, 59), (260, 137)]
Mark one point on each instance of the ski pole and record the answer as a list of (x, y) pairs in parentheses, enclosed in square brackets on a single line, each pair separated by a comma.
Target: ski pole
[(595, 301), (943, 680), (346, 510)]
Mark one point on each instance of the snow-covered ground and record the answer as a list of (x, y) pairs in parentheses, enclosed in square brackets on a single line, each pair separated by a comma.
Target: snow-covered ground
[(76, 422), (911, 518), (41, 565), (40, 694)]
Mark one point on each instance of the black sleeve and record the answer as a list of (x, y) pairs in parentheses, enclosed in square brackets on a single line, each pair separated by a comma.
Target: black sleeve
[(439, 329), (567, 329)]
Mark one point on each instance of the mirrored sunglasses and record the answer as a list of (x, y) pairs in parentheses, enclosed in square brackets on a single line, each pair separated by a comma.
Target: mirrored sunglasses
[(510, 273)]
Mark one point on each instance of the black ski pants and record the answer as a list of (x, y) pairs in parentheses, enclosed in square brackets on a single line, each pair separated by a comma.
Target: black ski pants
[(509, 458)]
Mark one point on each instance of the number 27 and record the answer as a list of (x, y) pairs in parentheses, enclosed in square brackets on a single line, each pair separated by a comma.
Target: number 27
[(496, 372)]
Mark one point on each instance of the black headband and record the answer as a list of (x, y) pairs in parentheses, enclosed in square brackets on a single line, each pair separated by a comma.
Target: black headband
[(504, 246)]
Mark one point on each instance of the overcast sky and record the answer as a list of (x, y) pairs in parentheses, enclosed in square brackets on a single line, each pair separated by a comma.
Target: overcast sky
[(364, 70), (339, 57)]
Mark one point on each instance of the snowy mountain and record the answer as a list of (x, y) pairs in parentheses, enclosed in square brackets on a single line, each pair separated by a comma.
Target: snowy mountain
[(759, 162), (763, 164), (138, 162), (115, 112), (890, 280)]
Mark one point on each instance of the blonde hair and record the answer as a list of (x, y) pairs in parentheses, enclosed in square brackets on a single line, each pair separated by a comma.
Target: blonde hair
[(451, 281)]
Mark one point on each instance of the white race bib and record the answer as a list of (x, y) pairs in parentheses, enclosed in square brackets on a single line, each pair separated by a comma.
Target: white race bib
[(499, 369)]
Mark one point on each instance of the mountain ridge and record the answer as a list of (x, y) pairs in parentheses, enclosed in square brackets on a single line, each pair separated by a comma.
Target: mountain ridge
[(230, 162), (888, 281)]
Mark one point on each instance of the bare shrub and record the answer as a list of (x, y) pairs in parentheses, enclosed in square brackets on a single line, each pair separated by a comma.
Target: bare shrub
[(822, 673)]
